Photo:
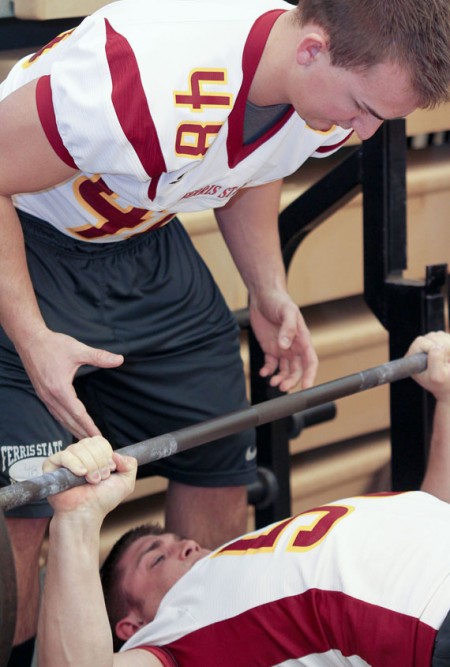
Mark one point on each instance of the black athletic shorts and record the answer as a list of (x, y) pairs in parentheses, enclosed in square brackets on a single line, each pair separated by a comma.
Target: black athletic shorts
[(152, 299), (441, 653)]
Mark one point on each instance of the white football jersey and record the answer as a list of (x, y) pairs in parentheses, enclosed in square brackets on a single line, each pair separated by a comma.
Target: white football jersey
[(147, 99), (362, 581)]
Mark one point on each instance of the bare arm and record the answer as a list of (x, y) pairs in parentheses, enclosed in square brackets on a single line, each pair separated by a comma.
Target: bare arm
[(28, 164), (436, 379), (25, 151), (73, 625), (249, 224)]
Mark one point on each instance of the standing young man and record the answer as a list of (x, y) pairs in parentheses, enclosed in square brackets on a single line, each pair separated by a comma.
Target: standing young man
[(146, 110)]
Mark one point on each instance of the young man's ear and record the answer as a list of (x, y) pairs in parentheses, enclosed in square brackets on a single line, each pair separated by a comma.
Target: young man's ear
[(310, 47), (128, 626)]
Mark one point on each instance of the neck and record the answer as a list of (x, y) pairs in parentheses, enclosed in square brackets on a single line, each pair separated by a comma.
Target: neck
[(268, 85)]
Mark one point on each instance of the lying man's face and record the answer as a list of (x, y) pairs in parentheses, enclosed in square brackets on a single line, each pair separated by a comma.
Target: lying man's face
[(152, 565)]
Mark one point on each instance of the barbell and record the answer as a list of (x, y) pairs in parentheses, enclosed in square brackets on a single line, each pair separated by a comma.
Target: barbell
[(186, 438)]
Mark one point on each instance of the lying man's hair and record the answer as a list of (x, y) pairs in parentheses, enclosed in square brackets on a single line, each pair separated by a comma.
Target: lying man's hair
[(116, 600)]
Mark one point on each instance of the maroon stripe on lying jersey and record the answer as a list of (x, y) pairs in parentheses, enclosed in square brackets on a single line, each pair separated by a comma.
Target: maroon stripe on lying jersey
[(327, 149), (310, 623), (44, 102), (165, 659), (130, 102)]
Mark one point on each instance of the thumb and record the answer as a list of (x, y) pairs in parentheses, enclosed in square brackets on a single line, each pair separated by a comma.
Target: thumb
[(103, 358), (436, 359), (124, 463), (287, 332)]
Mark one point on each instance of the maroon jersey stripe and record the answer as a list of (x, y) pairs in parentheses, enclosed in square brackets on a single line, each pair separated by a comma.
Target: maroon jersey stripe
[(130, 102), (327, 149), (254, 47), (310, 623), (44, 103), (162, 655)]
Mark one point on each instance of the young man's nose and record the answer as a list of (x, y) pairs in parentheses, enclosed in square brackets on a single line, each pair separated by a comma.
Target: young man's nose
[(366, 127)]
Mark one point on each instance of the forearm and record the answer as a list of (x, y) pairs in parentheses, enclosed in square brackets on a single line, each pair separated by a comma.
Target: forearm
[(21, 136), (436, 380), (73, 625), (20, 323), (249, 225), (437, 476)]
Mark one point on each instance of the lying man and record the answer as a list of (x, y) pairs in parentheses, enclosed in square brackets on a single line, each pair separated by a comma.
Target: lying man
[(361, 581)]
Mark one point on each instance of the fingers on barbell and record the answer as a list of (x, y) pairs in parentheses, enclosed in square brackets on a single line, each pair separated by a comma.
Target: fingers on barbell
[(90, 457)]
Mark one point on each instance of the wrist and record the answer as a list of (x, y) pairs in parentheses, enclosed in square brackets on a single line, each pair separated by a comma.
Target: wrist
[(443, 401), (80, 524), (24, 332), (277, 288)]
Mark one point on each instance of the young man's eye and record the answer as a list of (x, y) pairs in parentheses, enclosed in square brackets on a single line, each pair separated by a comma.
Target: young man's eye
[(158, 560)]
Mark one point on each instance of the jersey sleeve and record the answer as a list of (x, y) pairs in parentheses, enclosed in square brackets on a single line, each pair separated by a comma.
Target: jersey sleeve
[(162, 654), (92, 106)]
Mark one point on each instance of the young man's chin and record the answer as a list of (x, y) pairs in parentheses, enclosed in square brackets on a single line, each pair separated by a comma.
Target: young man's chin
[(320, 126)]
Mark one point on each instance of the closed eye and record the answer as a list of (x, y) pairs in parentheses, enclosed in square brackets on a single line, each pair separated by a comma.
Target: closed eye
[(366, 109), (158, 560), (152, 547)]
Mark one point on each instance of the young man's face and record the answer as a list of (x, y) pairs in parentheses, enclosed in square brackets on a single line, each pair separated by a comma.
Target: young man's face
[(353, 99), (153, 564)]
